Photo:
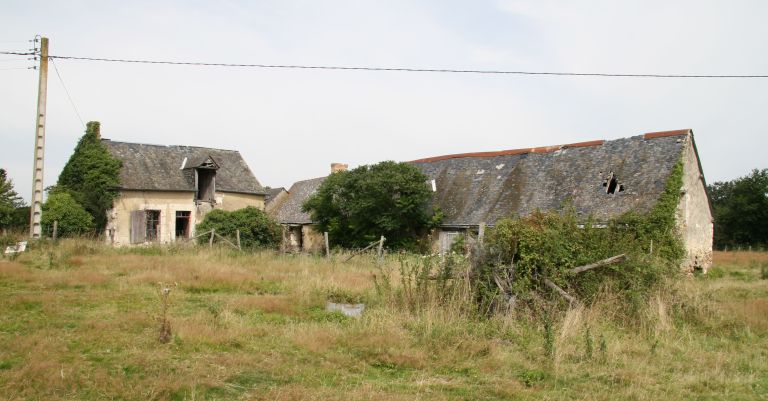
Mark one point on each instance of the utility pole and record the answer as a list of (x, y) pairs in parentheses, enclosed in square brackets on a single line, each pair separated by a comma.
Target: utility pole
[(36, 209)]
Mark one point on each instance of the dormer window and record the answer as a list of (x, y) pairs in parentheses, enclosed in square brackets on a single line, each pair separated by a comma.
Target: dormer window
[(205, 181)]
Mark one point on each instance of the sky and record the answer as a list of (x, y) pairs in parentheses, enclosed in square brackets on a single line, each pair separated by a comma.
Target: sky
[(290, 125)]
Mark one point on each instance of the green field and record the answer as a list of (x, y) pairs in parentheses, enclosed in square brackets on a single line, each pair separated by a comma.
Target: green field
[(79, 321)]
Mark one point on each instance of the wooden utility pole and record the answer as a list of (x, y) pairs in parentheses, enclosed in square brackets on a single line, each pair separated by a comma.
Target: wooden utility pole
[(36, 209)]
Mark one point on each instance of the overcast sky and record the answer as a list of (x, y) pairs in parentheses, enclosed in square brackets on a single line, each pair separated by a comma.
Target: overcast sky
[(291, 124)]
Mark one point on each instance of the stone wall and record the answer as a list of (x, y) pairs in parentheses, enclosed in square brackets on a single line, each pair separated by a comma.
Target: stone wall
[(118, 230), (694, 217)]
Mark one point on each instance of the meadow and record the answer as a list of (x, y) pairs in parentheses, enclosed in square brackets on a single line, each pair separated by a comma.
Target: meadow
[(81, 321)]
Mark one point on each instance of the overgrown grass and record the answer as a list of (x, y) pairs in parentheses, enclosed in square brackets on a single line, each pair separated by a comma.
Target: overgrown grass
[(79, 321)]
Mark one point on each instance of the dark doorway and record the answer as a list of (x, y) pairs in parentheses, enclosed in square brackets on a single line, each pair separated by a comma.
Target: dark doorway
[(206, 185), (182, 224)]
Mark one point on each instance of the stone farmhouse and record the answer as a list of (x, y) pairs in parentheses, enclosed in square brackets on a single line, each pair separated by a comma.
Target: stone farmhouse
[(601, 179), (166, 190)]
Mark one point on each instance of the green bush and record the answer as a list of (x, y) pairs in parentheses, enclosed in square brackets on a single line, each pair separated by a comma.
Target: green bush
[(356, 207), (92, 175), (257, 229), (525, 251), (72, 218)]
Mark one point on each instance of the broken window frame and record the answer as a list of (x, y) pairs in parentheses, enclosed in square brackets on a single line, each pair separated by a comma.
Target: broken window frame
[(152, 225)]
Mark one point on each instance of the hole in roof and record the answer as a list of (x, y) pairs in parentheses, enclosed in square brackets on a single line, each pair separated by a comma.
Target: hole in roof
[(612, 185)]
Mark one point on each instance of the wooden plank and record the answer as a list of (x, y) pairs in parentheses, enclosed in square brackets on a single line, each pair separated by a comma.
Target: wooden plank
[(226, 240), (604, 262), (371, 245), (138, 226), (560, 291)]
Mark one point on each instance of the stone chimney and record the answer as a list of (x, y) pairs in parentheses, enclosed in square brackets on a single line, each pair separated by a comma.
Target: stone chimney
[(336, 167)]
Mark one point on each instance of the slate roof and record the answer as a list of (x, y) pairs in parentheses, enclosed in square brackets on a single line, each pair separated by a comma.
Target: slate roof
[(289, 212), (159, 168), (488, 186), (272, 193)]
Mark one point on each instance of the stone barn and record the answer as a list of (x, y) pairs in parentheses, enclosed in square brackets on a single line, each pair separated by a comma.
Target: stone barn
[(166, 190), (602, 179), (299, 232)]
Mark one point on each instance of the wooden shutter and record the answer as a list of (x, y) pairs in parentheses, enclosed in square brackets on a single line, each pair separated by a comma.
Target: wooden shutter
[(138, 227)]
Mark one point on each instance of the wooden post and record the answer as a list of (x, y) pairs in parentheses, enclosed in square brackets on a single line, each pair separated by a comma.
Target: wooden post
[(55, 229), (327, 247), (481, 232), (651, 252), (238, 240), (210, 241), (381, 246)]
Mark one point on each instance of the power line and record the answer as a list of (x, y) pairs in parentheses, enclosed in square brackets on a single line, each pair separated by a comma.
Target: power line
[(72, 102), (403, 69)]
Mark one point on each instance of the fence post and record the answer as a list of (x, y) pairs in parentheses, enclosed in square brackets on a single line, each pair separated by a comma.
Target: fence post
[(210, 241), (381, 246), (327, 247), (481, 232), (55, 229), (238, 240)]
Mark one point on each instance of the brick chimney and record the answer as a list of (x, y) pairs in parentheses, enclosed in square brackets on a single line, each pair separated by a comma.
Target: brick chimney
[(336, 167)]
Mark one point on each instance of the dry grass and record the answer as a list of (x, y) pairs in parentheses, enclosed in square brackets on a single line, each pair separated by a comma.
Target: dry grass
[(78, 321)]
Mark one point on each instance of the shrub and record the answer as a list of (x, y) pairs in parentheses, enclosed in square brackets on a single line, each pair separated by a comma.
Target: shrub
[(257, 229), (91, 175), (72, 218), (356, 207)]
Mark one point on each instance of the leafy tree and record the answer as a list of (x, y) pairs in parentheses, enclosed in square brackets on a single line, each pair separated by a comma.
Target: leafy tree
[(741, 210), (92, 175), (72, 217), (257, 229), (9, 201), (356, 207)]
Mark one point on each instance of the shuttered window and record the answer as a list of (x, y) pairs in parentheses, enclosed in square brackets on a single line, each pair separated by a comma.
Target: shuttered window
[(138, 227)]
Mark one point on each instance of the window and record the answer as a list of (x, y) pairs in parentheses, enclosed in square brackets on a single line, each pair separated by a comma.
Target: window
[(153, 225), (145, 226), (206, 185), (182, 224)]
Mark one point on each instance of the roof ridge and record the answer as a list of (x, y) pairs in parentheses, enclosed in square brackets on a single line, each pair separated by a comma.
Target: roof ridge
[(510, 152), (170, 146), (545, 149)]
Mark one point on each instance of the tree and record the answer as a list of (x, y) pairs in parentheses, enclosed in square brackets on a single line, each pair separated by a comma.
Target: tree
[(9, 201), (741, 210), (91, 175), (356, 207), (72, 218), (257, 229)]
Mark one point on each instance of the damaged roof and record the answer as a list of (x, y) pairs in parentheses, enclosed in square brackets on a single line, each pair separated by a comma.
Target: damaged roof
[(289, 212), (171, 168), (484, 187), (471, 188)]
